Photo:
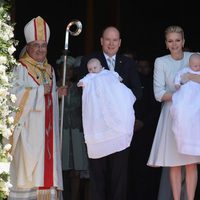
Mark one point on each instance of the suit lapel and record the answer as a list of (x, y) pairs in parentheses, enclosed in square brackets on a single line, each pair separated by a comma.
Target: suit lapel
[(118, 63), (103, 61)]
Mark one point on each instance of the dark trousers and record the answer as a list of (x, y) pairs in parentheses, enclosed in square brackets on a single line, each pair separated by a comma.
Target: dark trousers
[(108, 176)]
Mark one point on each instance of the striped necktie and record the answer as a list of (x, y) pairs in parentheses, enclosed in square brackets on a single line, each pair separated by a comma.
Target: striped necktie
[(111, 64)]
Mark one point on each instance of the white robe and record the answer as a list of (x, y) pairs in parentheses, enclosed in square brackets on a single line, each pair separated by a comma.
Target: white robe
[(185, 111), (108, 114), (27, 166)]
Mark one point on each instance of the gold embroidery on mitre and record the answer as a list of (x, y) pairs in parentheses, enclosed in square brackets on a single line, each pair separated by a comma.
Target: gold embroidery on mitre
[(40, 29)]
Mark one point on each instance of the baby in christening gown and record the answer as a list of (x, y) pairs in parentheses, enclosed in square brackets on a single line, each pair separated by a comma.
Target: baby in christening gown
[(95, 69), (185, 110), (107, 104)]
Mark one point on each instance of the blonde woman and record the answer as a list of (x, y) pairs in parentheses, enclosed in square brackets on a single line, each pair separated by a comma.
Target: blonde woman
[(164, 151)]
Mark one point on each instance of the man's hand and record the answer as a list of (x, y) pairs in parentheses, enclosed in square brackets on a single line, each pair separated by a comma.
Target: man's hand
[(62, 91), (138, 125)]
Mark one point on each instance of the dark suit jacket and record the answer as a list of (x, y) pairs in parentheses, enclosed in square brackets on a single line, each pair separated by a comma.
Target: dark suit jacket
[(126, 67)]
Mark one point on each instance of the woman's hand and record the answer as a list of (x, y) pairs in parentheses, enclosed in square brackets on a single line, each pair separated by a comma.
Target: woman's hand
[(190, 77), (185, 78)]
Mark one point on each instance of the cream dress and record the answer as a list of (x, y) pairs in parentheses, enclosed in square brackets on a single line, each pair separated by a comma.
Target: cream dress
[(164, 150)]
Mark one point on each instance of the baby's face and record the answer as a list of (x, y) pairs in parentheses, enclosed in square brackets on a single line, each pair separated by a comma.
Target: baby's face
[(195, 64), (94, 68)]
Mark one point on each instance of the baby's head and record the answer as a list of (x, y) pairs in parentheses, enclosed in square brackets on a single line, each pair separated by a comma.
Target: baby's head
[(94, 65), (194, 62)]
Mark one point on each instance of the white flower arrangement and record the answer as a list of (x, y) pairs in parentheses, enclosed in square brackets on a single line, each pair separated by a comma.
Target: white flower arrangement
[(7, 100)]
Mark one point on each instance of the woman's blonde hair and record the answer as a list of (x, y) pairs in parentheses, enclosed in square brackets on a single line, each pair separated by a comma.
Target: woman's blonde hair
[(174, 29)]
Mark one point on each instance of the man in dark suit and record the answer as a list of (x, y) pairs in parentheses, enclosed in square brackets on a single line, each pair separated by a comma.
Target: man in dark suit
[(108, 174)]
